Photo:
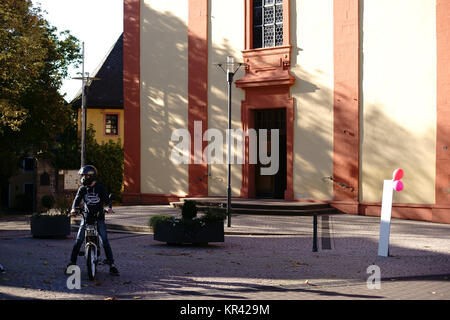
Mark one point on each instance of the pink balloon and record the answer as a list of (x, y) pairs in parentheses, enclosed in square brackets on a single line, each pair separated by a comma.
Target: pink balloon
[(398, 174), (398, 185)]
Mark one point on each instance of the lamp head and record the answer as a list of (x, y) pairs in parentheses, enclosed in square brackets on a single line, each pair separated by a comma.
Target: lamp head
[(230, 64)]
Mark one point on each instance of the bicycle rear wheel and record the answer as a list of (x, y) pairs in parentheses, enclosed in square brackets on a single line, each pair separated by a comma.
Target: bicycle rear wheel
[(91, 262)]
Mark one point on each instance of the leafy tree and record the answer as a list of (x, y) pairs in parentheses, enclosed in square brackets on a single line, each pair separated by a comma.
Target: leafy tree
[(34, 59), (108, 159), (66, 152), (21, 57)]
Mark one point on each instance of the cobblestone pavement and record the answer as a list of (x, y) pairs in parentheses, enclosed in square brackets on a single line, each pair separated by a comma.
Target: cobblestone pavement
[(262, 258)]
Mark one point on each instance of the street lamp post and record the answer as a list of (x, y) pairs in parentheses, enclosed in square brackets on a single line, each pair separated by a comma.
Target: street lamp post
[(83, 115), (231, 68), (85, 83)]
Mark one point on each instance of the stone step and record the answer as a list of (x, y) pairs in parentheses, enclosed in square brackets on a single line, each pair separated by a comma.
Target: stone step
[(280, 212)]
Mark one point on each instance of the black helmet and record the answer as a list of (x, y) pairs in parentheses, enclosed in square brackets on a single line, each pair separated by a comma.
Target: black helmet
[(88, 174)]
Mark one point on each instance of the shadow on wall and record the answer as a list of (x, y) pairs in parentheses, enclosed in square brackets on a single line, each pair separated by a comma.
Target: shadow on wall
[(389, 142), (218, 115), (313, 148), (386, 143), (163, 99), (223, 42), (313, 130), (313, 107)]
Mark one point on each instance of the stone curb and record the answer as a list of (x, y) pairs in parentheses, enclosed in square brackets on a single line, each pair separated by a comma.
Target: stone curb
[(118, 227), (147, 230)]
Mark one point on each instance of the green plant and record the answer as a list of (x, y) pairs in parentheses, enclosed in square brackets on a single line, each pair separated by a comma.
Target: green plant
[(108, 159), (213, 215), (63, 202), (34, 60), (48, 201), (189, 210), (157, 219), (52, 213), (189, 217)]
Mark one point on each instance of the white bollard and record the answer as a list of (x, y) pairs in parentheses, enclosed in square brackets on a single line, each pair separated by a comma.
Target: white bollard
[(386, 210)]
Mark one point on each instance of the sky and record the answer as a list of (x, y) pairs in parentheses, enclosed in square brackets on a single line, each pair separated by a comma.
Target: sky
[(97, 23)]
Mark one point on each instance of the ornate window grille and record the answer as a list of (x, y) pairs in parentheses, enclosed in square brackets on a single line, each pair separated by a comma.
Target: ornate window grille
[(267, 23)]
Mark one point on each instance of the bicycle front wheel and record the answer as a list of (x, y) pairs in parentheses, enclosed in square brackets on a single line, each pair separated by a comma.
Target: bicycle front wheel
[(91, 262)]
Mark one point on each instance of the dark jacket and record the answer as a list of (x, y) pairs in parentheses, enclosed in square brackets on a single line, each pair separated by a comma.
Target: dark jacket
[(94, 199)]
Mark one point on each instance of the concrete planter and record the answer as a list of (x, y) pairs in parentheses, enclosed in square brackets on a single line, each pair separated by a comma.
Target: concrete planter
[(50, 226), (178, 234)]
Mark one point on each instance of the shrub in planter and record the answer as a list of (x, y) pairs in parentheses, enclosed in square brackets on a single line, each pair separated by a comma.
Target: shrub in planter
[(214, 214), (189, 228), (160, 218), (52, 223), (63, 201), (47, 202), (189, 210)]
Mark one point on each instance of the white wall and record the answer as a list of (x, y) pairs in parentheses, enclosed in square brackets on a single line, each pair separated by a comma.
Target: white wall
[(312, 64), (399, 97), (164, 105), (226, 37)]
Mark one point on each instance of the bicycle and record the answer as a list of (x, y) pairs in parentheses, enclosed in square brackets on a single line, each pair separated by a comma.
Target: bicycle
[(93, 243)]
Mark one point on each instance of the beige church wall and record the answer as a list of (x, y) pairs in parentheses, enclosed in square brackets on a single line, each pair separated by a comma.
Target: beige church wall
[(164, 92), (226, 38), (398, 116), (311, 24)]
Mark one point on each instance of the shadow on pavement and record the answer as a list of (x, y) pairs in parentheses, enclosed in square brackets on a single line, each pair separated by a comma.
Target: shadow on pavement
[(243, 267)]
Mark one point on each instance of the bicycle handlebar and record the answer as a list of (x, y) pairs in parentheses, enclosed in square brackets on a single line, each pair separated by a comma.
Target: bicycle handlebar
[(79, 210)]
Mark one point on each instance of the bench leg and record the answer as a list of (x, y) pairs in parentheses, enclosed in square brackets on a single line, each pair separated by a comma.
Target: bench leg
[(314, 233)]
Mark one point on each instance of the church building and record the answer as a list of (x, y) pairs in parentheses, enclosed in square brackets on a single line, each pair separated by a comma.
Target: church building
[(354, 88)]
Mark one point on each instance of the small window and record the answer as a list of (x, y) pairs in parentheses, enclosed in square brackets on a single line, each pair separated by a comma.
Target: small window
[(112, 124), (28, 164), (267, 23)]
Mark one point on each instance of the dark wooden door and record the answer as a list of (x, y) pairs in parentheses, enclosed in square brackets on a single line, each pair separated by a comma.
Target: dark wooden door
[(271, 186)]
